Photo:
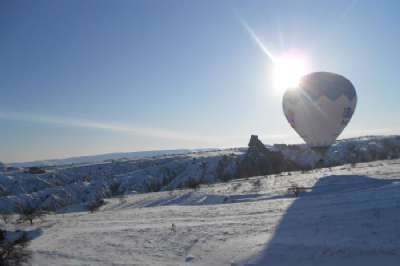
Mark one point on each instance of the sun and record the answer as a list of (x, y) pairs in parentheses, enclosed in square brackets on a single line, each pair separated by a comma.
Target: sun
[(288, 70)]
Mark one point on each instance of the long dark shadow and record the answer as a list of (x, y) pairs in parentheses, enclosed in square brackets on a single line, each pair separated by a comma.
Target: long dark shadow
[(341, 220)]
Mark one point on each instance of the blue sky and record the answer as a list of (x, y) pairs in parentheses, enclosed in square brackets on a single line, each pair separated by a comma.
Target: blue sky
[(88, 77)]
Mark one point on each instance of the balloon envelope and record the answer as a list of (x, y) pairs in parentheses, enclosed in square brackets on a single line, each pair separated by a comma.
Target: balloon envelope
[(320, 107)]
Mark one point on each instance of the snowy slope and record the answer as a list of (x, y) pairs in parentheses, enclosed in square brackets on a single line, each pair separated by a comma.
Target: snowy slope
[(101, 157), (347, 216), (360, 149), (64, 186), (68, 185)]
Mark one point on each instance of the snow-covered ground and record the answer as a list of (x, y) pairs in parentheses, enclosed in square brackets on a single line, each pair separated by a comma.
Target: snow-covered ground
[(347, 216)]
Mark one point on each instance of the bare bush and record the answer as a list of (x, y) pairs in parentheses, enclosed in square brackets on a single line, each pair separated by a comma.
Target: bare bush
[(221, 170), (192, 183), (257, 183), (14, 253), (114, 188), (29, 213), (153, 185), (236, 186), (95, 205), (295, 190)]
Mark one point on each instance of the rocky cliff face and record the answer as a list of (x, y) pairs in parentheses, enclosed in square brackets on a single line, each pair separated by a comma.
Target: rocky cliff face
[(259, 160)]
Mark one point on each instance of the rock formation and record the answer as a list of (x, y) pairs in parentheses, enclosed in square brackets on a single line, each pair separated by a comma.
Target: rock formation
[(259, 160)]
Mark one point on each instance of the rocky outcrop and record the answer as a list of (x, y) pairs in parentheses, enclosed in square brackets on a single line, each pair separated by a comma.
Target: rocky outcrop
[(259, 160)]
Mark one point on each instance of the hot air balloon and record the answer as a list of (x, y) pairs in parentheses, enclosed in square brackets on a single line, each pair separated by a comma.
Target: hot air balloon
[(320, 107)]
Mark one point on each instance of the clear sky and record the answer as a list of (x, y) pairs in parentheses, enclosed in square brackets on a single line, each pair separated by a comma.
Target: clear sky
[(87, 77)]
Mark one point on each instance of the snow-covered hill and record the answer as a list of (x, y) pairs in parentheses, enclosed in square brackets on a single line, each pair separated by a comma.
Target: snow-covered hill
[(64, 186), (347, 215), (102, 157), (353, 150)]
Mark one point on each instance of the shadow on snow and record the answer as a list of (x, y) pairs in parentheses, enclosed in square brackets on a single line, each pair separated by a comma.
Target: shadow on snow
[(342, 220)]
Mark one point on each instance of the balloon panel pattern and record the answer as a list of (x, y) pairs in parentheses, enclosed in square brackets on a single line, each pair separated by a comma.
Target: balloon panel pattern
[(320, 107)]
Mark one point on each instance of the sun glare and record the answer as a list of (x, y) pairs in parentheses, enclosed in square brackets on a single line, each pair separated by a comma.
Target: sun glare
[(288, 69)]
